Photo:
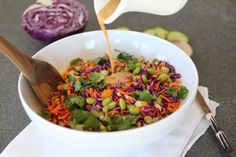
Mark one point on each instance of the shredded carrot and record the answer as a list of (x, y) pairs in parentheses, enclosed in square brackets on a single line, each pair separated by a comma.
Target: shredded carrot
[(165, 98), (62, 99), (90, 92), (122, 92), (172, 107), (64, 75), (144, 103), (56, 110), (175, 83), (130, 99), (163, 112), (68, 90), (107, 93), (157, 85), (162, 91), (127, 86), (161, 64), (112, 113)]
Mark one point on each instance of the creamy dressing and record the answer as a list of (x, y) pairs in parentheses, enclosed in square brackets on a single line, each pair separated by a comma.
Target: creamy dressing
[(106, 12)]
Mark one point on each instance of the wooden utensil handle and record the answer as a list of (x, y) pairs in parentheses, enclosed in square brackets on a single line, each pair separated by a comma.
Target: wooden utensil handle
[(24, 63)]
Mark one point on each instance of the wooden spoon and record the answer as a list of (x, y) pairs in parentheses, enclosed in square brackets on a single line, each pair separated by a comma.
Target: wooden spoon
[(42, 76)]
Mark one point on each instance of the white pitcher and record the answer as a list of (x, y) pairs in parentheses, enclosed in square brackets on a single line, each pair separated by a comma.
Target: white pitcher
[(158, 7)]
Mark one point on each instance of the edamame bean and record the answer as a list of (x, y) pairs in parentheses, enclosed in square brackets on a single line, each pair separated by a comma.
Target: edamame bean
[(134, 78), (144, 79), (133, 109), (163, 77), (165, 69), (111, 105), (105, 72), (105, 109), (159, 100), (138, 103), (106, 101), (137, 70), (148, 119), (122, 104), (76, 68), (90, 101), (151, 71)]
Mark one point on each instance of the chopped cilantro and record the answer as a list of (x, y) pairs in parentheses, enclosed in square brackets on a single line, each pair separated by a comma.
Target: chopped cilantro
[(77, 86), (46, 114), (123, 56), (172, 91), (91, 122), (79, 116), (75, 61), (88, 83), (86, 118), (182, 92), (100, 60), (74, 101), (146, 96), (96, 77), (71, 77), (122, 122)]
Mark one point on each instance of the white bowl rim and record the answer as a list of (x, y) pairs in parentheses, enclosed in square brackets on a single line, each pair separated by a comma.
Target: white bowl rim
[(127, 131)]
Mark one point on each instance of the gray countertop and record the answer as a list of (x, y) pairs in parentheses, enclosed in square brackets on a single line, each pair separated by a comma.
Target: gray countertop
[(211, 26)]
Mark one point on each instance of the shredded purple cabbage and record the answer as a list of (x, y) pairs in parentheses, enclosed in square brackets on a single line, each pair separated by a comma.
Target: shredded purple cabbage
[(175, 76), (96, 68), (148, 111)]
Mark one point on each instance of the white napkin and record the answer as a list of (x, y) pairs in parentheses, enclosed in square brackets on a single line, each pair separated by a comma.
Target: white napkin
[(33, 143)]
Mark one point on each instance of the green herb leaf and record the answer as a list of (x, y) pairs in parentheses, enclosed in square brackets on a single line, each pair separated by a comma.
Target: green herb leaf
[(86, 118), (88, 83), (74, 101), (182, 92), (70, 78), (99, 60), (122, 122), (172, 91), (131, 66), (75, 61), (79, 116), (123, 56), (146, 96), (45, 114), (77, 86), (96, 77), (91, 122)]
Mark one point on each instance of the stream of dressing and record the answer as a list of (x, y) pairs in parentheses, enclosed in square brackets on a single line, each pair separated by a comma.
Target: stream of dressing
[(103, 14)]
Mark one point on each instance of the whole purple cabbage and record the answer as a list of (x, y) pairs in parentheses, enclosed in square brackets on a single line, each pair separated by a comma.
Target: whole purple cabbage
[(51, 22)]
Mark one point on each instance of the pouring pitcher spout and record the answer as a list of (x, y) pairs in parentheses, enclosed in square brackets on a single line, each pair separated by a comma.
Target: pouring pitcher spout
[(115, 8)]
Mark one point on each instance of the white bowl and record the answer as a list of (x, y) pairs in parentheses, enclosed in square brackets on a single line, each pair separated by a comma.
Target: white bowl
[(92, 44)]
